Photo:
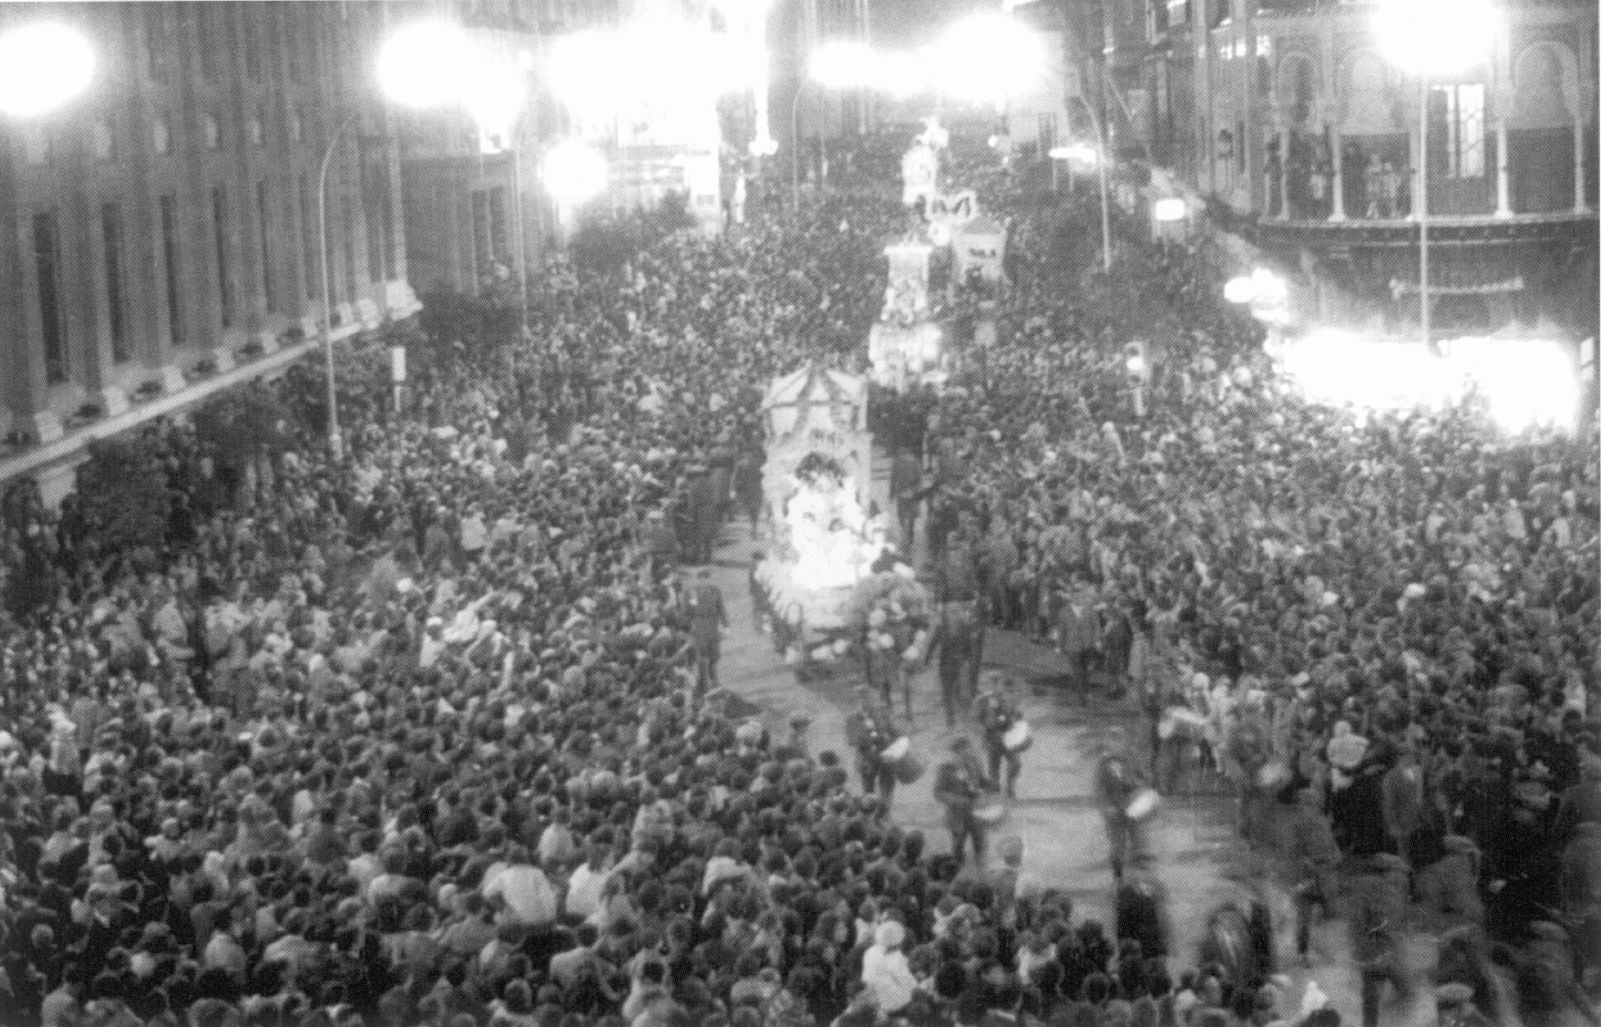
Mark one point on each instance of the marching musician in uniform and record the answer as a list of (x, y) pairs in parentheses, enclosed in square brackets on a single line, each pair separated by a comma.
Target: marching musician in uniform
[(874, 732), (1117, 783), (996, 711), (957, 786)]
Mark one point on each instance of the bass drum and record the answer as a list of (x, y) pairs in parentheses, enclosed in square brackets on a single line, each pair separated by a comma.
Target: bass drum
[(908, 769)]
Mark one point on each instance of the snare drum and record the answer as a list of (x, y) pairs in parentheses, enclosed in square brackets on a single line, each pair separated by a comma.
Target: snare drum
[(1018, 737), (1143, 804), (896, 750), (989, 810)]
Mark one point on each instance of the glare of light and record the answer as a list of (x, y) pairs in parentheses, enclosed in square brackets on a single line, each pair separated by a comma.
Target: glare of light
[(1524, 383), (900, 74), (988, 57), (493, 94), (761, 147), (843, 64), (994, 141), (661, 72), (1082, 153), (43, 66), (1269, 287), (426, 64), (575, 172), (1239, 289), (1435, 37), (1170, 208), (1136, 364)]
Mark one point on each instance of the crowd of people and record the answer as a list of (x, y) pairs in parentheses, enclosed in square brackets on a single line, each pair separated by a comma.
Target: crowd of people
[(413, 736)]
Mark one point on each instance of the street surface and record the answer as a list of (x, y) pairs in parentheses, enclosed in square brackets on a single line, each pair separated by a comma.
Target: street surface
[(1191, 839)]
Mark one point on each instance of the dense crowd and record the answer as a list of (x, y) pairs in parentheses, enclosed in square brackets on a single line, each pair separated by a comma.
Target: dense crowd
[(412, 737)]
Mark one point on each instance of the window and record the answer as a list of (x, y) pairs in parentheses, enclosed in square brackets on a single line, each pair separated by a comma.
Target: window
[(482, 251), (255, 130), (347, 243), (213, 132), (169, 257), (219, 224), (264, 233), (105, 140), (1047, 132), (158, 41), (308, 239), (497, 223), (35, 143), (116, 292), (1463, 112), (210, 45), (161, 135), (52, 316), (297, 126), (250, 35), (377, 228)]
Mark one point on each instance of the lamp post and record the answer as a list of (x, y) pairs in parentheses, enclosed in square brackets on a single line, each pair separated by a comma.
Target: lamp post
[(335, 443), (794, 143), (1431, 38), (1083, 153)]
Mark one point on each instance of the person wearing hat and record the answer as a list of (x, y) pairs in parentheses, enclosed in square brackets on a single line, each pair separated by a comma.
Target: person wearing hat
[(1313, 856), (996, 710), (1449, 887), (1455, 1001), (1117, 782), (873, 733), (958, 784), (708, 621), (660, 543), (1377, 917), (704, 507)]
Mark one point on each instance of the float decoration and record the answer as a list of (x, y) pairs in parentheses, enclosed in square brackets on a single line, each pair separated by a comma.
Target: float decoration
[(816, 479)]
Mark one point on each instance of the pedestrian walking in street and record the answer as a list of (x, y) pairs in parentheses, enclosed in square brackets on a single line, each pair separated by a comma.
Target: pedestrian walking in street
[(708, 620), (958, 786), (1117, 784), (997, 713)]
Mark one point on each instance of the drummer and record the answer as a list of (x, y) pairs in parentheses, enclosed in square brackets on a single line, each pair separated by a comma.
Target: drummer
[(874, 732), (996, 710), (1118, 782), (958, 785)]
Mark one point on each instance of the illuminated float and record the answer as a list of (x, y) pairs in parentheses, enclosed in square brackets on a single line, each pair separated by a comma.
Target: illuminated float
[(819, 468), (904, 346)]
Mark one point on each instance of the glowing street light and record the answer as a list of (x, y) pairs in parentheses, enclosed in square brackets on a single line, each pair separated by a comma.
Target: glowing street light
[(42, 67), (1429, 38), (425, 64), (1169, 209), (574, 172), (843, 64), (988, 56), (1079, 153)]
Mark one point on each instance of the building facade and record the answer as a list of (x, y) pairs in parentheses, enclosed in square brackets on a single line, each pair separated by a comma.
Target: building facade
[(1288, 114), (161, 232)]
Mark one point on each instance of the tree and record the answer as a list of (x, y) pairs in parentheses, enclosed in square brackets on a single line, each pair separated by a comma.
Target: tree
[(124, 490)]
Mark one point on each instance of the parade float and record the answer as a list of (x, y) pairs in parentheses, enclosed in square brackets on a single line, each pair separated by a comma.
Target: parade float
[(904, 346), (816, 480), (979, 249)]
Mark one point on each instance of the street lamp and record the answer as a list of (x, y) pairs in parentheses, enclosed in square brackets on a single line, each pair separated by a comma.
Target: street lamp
[(1430, 38), (574, 172), (43, 66)]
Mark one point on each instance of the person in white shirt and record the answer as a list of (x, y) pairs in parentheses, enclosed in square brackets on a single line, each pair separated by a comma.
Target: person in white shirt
[(587, 884), (885, 970), (523, 888)]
